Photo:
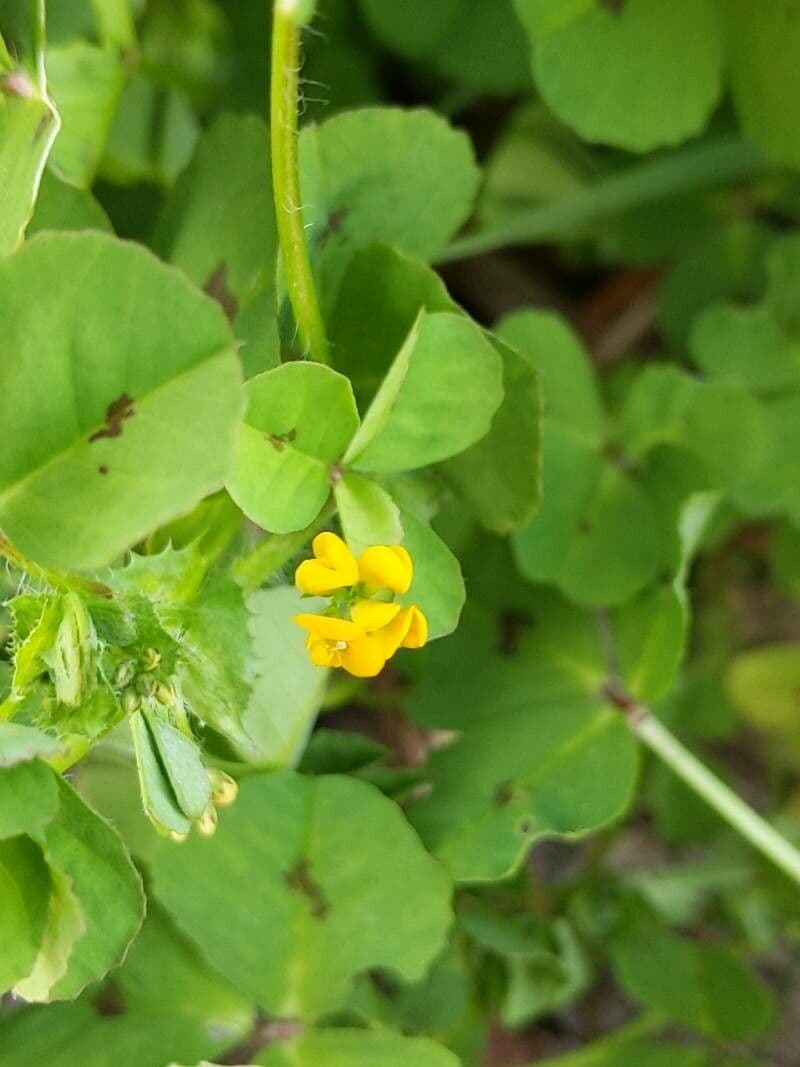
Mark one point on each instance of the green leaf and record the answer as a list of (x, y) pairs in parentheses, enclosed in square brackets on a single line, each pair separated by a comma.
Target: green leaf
[(450, 357), (65, 925), (761, 42), (28, 797), (315, 922), (288, 688), (218, 224), (119, 431), (152, 136), (24, 895), (188, 1014), (180, 757), (378, 303), (415, 30), (19, 744), (702, 986), (438, 587), (357, 1048), (595, 534), (746, 347), (499, 476), (535, 755), (637, 74), (64, 207), (763, 683), (300, 419), (88, 852), (385, 174), (215, 666), (367, 513), (28, 127), (86, 83), (485, 50)]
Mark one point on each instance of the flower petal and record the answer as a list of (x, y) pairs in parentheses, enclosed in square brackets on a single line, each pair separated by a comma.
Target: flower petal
[(373, 615), (335, 567), (417, 633), (386, 567), (364, 658), (327, 628)]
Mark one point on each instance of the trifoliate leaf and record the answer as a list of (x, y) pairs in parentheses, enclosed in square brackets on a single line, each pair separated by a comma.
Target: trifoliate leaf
[(316, 922), (357, 1048), (120, 430)]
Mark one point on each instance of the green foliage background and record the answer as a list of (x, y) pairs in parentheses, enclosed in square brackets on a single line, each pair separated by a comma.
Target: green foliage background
[(555, 245)]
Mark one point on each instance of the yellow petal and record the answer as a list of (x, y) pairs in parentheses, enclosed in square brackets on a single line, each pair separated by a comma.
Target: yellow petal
[(386, 567), (364, 657), (321, 653), (326, 628), (417, 633), (333, 568), (372, 615)]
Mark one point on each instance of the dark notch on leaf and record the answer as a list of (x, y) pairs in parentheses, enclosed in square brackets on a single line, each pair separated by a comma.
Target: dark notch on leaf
[(217, 288), (279, 441), (300, 880), (116, 413), (102, 469), (110, 1000)]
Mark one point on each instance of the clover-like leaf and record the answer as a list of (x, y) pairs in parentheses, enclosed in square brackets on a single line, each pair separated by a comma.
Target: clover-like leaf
[(122, 401), (635, 73), (300, 419), (357, 1048), (316, 922)]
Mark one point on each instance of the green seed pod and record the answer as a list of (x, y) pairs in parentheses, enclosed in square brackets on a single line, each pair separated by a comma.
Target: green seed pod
[(74, 663)]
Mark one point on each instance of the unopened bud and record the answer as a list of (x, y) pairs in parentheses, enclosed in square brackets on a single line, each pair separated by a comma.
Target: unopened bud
[(207, 823), (125, 674), (177, 837), (131, 701), (151, 658), (224, 789), (164, 694)]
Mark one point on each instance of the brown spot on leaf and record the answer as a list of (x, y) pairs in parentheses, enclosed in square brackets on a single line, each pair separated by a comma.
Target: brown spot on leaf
[(110, 1000), (301, 881), (512, 625), (217, 288), (102, 469), (503, 794), (116, 413), (279, 441), (614, 6), (334, 224)]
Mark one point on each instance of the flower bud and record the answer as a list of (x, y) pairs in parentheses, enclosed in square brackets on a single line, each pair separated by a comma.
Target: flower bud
[(151, 658), (73, 664), (131, 701), (178, 838), (224, 789), (207, 823), (125, 674), (164, 694)]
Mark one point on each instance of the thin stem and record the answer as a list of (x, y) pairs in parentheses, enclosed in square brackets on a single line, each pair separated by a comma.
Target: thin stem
[(52, 578), (687, 170), (39, 44), (637, 1029), (286, 179), (652, 732), (269, 555)]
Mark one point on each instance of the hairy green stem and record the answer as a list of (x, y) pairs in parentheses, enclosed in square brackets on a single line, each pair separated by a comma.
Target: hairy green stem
[(269, 555), (686, 170), (39, 44), (728, 804), (54, 579), (286, 178)]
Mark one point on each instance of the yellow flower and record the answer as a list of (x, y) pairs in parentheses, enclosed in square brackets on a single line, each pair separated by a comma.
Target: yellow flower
[(386, 567), (393, 625), (334, 567), (339, 643)]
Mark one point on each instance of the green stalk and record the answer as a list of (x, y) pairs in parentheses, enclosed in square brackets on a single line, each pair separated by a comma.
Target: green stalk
[(39, 44), (690, 169), (652, 732), (269, 555), (286, 179)]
